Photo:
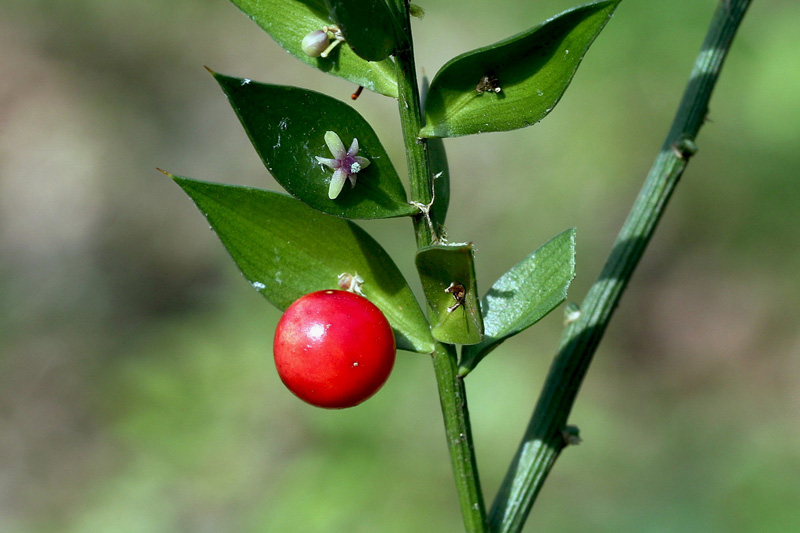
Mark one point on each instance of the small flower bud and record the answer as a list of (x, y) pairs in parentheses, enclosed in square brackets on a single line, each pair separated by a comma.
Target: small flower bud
[(351, 282), (416, 11), (315, 43), (572, 313), (571, 436)]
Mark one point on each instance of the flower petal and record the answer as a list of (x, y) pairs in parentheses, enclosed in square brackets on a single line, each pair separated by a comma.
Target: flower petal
[(330, 163), (363, 161), (353, 148), (337, 182), (335, 145)]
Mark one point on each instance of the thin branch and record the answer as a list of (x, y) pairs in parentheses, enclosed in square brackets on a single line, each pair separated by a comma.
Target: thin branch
[(545, 438)]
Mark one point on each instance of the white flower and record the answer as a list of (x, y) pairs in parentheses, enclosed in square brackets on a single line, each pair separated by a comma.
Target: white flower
[(345, 163)]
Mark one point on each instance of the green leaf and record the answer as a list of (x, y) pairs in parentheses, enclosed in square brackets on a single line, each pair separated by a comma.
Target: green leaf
[(441, 174), (368, 26), (285, 249), (441, 184), (447, 273), (524, 295), (530, 70), (288, 21), (287, 126)]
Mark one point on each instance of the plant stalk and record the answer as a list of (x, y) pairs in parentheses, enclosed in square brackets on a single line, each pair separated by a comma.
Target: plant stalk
[(452, 394), (408, 100), (545, 436), (453, 399)]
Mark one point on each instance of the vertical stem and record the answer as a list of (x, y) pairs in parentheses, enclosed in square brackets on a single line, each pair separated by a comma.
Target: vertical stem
[(544, 438), (452, 394), (453, 399), (411, 122)]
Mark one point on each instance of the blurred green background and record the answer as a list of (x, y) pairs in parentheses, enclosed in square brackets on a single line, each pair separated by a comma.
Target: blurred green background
[(137, 391)]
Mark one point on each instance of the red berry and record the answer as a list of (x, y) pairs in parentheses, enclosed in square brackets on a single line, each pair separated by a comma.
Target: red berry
[(334, 349)]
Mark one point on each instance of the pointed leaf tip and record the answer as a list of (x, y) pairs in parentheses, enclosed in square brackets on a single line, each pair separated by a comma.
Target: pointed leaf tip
[(291, 127), (524, 295), (286, 249), (515, 82)]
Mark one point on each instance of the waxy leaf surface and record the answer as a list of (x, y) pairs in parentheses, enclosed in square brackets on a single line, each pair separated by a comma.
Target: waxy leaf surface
[(530, 70), (524, 295), (287, 127), (368, 26), (448, 270), (288, 21), (440, 170), (441, 183), (285, 249)]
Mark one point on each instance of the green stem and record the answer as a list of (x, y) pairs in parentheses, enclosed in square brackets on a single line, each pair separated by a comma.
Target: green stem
[(453, 399), (411, 123), (544, 438), (452, 395)]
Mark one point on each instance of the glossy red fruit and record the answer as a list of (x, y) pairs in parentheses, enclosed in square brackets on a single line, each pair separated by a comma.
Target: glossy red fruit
[(334, 349)]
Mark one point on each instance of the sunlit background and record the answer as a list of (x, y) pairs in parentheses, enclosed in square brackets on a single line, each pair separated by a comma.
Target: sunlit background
[(137, 391)]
